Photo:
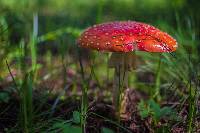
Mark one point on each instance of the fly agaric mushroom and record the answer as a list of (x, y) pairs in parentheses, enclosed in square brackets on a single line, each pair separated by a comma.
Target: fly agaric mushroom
[(122, 38)]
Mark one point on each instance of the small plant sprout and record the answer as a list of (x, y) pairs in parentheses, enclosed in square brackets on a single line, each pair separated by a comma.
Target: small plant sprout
[(122, 38), (151, 108)]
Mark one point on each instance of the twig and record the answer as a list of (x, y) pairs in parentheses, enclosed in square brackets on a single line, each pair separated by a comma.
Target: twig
[(58, 98), (15, 83)]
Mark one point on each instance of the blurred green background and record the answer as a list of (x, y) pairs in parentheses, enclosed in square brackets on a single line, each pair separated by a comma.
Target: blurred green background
[(53, 15)]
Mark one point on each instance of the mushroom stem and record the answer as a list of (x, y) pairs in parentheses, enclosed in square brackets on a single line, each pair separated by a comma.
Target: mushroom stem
[(122, 63), (120, 81)]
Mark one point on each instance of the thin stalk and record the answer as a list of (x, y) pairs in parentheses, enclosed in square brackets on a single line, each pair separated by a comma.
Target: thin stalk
[(33, 52), (27, 104), (192, 110), (84, 100), (157, 81), (117, 92), (107, 69), (192, 101), (33, 45), (84, 106), (21, 59)]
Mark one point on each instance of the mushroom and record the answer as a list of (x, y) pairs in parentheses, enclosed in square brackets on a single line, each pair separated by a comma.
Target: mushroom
[(122, 38)]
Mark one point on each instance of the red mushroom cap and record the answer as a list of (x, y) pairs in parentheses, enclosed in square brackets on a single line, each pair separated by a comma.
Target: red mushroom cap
[(126, 36)]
